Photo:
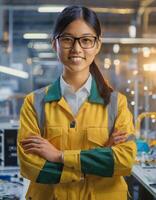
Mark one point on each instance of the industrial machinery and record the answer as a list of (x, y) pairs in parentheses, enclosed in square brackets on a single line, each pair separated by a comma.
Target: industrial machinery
[(11, 183), (146, 142), (8, 146)]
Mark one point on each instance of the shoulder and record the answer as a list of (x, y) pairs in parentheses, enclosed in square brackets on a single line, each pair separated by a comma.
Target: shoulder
[(119, 96), (122, 101), (29, 98), (118, 99)]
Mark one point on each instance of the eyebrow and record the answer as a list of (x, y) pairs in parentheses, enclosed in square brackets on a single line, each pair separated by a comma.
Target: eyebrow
[(85, 34)]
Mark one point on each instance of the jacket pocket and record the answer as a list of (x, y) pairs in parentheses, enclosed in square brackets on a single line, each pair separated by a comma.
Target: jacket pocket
[(97, 136), (38, 191), (120, 195), (114, 188), (54, 136)]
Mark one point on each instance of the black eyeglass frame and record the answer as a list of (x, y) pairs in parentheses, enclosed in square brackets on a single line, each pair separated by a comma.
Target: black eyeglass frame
[(77, 38)]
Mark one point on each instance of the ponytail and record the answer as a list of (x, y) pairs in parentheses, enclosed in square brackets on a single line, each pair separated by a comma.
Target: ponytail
[(104, 89)]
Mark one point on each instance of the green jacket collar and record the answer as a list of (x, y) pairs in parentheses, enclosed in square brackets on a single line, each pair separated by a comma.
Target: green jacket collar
[(54, 93)]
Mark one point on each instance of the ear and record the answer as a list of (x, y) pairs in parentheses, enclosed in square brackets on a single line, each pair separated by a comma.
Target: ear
[(98, 46)]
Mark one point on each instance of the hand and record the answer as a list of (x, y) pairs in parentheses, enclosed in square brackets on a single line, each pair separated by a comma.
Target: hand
[(116, 138), (41, 147)]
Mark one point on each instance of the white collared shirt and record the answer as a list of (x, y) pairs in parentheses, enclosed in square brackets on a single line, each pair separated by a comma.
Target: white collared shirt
[(75, 99)]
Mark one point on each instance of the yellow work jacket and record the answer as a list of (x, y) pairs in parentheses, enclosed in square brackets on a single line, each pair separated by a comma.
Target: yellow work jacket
[(90, 171)]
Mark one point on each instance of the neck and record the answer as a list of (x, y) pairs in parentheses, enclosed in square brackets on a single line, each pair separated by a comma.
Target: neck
[(76, 80)]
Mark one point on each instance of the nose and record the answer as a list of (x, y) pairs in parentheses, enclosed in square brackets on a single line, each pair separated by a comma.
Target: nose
[(76, 46)]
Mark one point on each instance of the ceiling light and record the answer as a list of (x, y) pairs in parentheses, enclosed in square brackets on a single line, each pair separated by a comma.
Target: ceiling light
[(132, 103), (116, 62), (14, 72), (120, 11), (46, 55), (52, 9), (132, 92), (35, 36), (150, 67), (146, 52), (107, 61), (145, 88), (116, 48), (41, 46), (106, 66), (132, 31), (134, 41)]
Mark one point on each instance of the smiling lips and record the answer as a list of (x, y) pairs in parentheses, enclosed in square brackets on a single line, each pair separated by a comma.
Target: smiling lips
[(76, 58)]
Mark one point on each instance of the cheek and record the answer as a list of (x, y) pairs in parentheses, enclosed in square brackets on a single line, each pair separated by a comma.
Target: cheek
[(62, 55), (90, 55)]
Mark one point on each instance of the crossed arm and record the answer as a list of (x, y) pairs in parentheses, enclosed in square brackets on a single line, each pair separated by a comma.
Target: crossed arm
[(42, 147), (56, 167), (42, 162)]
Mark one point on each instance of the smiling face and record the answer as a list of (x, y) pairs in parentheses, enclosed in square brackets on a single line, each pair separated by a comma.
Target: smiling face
[(77, 59)]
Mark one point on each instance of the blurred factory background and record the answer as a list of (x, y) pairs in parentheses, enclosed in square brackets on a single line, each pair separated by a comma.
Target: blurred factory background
[(127, 58)]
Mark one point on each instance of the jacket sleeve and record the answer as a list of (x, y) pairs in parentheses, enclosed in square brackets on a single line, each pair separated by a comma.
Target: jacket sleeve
[(124, 153), (108, 162), (32, 166)]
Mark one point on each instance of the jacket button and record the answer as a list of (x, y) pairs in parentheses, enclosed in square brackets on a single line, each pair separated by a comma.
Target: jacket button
[(72, 124)]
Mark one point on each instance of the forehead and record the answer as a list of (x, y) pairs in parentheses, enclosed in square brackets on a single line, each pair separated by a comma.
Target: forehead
[(79, 27)]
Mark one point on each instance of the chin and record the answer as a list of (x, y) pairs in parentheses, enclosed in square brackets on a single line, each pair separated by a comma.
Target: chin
[(74, 68)]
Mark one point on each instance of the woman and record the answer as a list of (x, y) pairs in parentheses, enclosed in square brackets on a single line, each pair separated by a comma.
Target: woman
[(72, 155)]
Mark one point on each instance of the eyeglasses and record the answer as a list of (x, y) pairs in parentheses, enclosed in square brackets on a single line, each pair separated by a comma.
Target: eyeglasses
[(67, 42)]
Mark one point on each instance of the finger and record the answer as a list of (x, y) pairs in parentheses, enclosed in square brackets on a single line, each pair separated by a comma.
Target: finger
[(30, 145), (27, 141), (120, 141), (119, 133), (32, 140), (116, 137), (34, 136), (33, 150), (119, 138)]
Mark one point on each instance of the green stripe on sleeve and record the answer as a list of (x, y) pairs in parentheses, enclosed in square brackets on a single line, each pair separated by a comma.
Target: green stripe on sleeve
[(50, 173), (98, 161)]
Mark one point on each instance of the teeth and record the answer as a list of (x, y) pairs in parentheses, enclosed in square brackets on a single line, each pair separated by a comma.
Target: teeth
[(75, 59)]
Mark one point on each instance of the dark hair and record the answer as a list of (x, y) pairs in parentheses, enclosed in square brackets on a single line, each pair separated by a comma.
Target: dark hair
[(70, 14)]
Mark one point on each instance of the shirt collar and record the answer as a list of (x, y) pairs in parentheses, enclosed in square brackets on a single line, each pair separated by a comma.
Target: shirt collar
[(54, 92), (65, 87)]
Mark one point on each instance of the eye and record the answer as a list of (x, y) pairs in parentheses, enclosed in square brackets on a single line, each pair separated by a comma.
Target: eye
[(67, 39), (87, 39)]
